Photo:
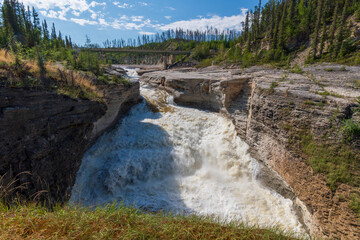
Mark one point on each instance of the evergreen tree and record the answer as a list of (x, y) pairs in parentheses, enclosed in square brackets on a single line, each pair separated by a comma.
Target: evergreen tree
[(333, 26), (317, 28), (36, 26), (340, 35), (281, 37), (53, 32), (45, 31), (324, 33)]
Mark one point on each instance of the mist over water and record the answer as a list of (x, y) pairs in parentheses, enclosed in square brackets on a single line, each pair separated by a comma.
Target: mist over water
[(180, 160)]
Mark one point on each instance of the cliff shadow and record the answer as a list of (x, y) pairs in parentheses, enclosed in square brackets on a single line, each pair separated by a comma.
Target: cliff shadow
[(132, 164)]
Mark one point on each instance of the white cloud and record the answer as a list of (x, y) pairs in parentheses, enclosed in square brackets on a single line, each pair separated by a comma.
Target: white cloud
[(171, 8), (168, 17), (83, 22), (147, 33), (221, 23), (76, 7), (143, 3), (55, 14), (137, 18), (123, 5), (75, 13)]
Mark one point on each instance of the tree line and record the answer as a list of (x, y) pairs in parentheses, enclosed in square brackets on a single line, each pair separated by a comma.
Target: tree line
[(275, 32), (283, 26), (210, 34), (22, 24)]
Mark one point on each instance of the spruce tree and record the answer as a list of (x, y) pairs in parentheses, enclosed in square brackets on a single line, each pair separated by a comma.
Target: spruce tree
[(340, 35), (36, 26), (53, 32), (281, 37), (324, 33), (333, 27), (45, 31), (246, 27), (317, 28)]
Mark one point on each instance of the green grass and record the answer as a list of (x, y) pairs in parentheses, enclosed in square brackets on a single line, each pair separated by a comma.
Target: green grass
[(309, 103), (338, 162), (357, 84), (326, 93), (273, 85), (342, 69), (296, 69), (119, 222), (75, 92), (355, 204), (350, 129), (205, 63), (114, 80)]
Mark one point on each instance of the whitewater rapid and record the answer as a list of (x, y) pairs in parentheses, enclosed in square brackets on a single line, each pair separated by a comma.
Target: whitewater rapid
[(180, 160)]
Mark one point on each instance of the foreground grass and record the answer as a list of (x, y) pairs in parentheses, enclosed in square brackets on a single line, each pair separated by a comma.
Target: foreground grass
[(113, 222)]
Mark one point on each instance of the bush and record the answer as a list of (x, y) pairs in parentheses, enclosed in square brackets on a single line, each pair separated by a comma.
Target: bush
[(350, 130), (337, 162), (201, 52), (273, 86), (357, 13), (297, 69), (88, 61), (355, 204)]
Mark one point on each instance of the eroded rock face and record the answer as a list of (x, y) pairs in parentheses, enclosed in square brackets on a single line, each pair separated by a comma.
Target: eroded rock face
[(212, 89), (269, 107), (44, 136), (118, 99)]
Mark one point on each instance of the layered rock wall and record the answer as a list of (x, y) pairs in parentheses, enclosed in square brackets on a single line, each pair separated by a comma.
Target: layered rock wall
[(44, 136), (269, 109)]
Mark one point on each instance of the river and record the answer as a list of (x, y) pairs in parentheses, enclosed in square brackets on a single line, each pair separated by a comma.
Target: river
[(180, 160)]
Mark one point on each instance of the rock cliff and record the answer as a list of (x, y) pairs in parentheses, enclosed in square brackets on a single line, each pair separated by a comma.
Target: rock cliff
[(272, 110), (44, 136)]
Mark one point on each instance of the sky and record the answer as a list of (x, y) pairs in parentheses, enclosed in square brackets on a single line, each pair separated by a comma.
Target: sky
[(104, 19)]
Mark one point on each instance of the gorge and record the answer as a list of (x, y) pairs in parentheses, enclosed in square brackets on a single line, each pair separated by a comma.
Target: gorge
[(181, 157), (180, 160), (219, 142)]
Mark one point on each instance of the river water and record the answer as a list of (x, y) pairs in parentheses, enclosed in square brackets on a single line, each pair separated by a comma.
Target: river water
[(180, 160)]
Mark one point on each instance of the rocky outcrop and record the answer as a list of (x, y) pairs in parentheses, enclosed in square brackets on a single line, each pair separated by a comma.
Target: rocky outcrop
[(118, 101), (212, 90), (270, 109), (44, 136)]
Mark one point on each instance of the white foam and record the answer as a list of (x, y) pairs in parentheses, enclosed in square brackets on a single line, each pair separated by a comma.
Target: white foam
[(182, 160)]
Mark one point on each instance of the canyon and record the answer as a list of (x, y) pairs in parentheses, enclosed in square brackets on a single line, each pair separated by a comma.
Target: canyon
[(47, 135), (271, 108)]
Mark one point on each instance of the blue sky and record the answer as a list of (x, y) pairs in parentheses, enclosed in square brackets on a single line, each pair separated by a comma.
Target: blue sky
[(104, 19)]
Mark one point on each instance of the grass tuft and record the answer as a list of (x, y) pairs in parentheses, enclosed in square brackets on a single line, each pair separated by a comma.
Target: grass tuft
[(119, 222), (337, 162)]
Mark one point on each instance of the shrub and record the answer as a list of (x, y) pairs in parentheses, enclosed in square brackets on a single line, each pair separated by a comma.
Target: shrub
[(355, 204), (350, 130), (201, 52), (88, 61), (337, 162), (273, 85), (41, 65), (297, 69)]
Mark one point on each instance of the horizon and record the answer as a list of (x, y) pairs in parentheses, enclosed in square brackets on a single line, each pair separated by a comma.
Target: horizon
[(107, 20)]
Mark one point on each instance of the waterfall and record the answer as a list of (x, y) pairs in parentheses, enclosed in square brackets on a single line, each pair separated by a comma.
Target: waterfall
[(180, 160)]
